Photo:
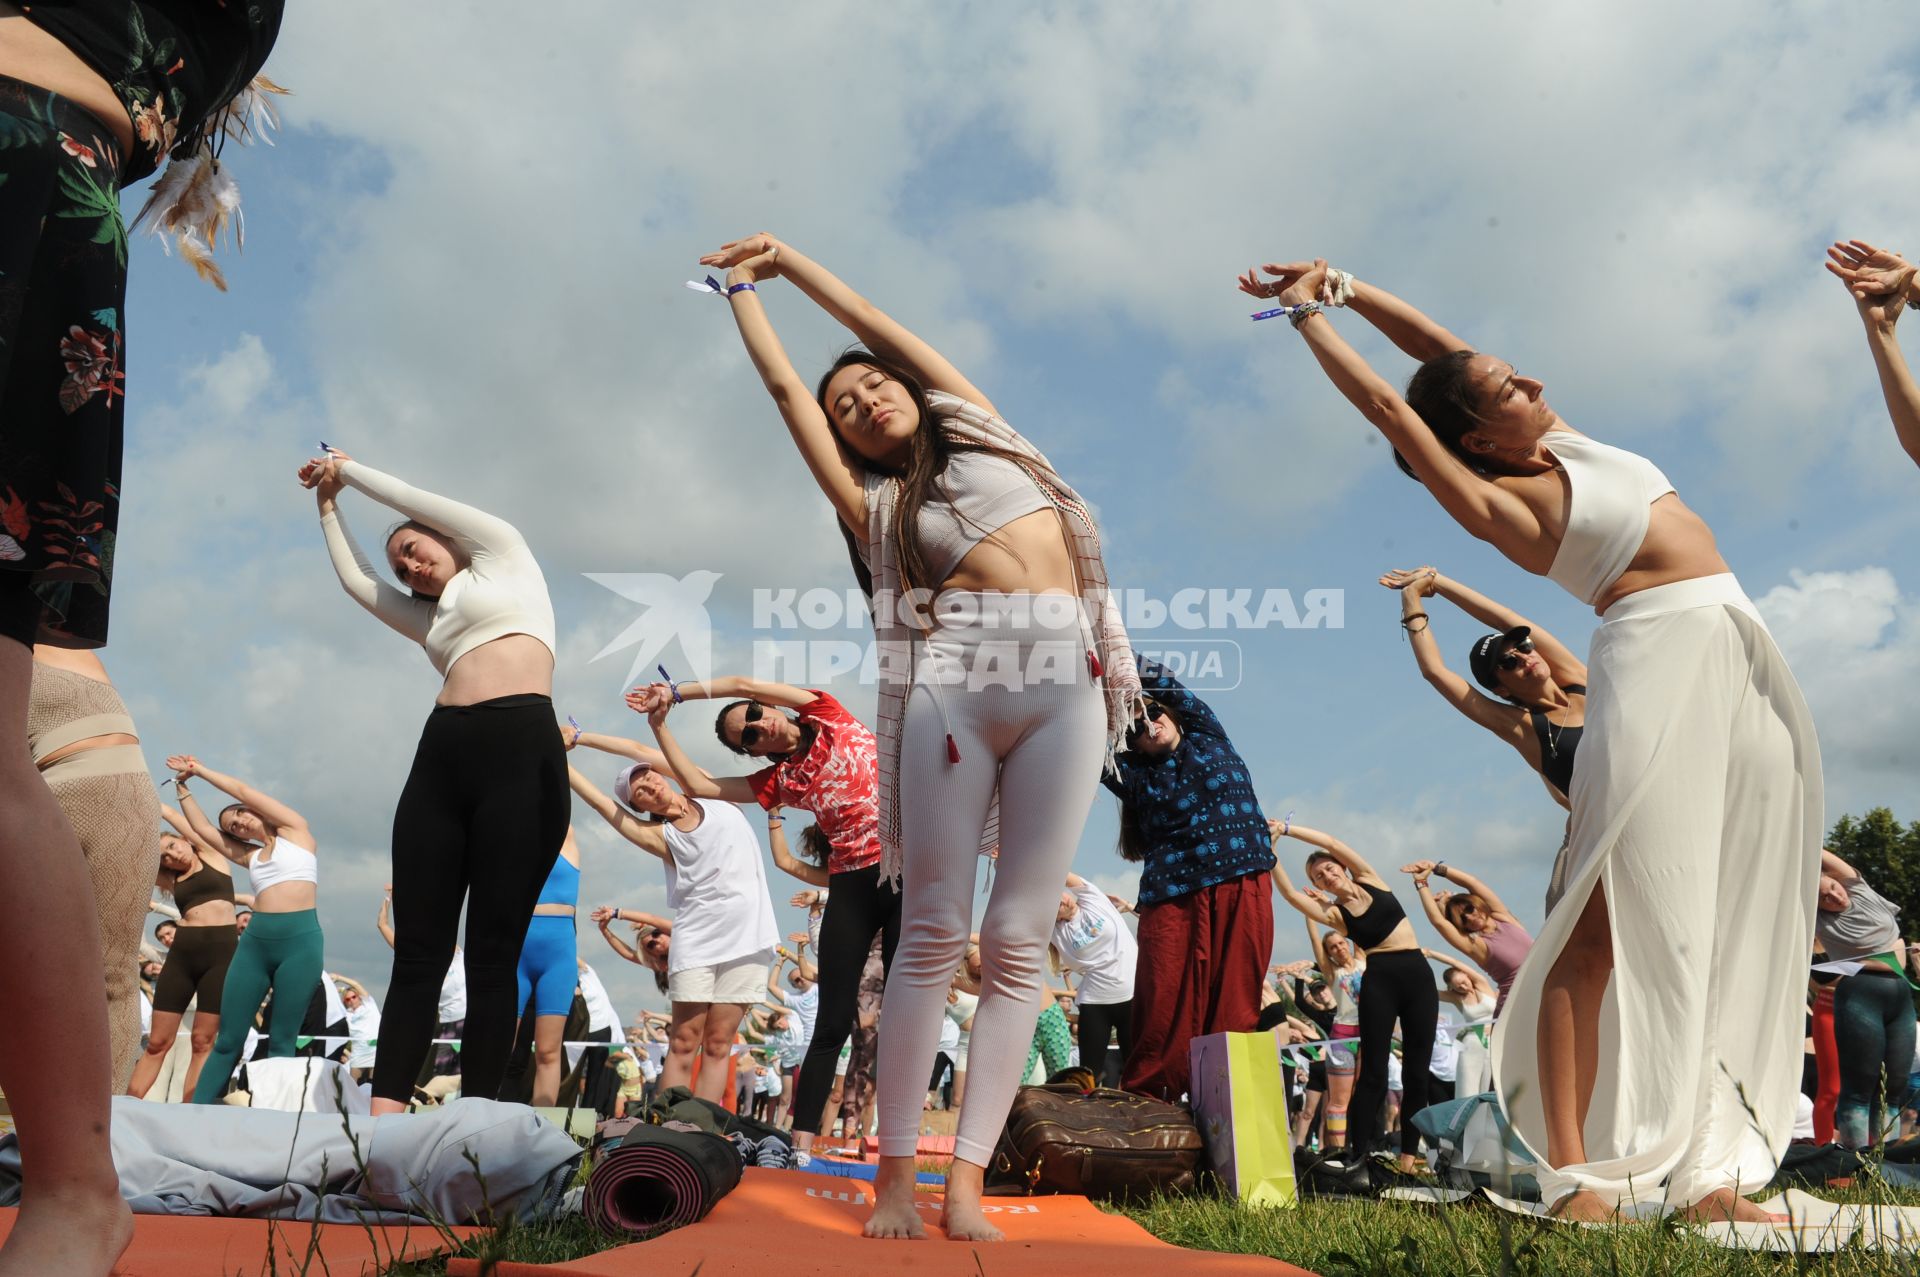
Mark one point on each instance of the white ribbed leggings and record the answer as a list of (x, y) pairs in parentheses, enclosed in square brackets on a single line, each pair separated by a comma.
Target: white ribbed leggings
[(1024, 710)]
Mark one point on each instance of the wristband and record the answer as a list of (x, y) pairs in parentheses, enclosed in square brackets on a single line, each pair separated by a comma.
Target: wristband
[(1441, 869), (1300, 314), (1413, 616), (740, 288)]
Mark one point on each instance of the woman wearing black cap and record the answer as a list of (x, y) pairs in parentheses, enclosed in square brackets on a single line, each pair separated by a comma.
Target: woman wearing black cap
[(1541, 685)]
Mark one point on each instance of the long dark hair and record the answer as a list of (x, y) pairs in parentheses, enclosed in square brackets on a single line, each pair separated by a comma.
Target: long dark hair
[(1132, 843), (1447, 399), (927, 456)]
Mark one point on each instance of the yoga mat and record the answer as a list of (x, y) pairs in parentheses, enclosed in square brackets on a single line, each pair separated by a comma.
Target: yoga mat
[(860, 1170), (798, 1224), (201, 1246), (654, 1177)]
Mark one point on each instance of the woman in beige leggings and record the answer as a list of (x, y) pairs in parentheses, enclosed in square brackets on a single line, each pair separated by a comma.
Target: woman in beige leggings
[(83, 742)]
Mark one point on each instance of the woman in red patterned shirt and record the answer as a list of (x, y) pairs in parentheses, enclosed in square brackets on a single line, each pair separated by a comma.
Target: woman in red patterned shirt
[(823, 760)]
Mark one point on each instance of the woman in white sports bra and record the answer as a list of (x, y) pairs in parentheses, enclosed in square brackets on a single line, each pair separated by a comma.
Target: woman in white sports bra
[(281, 948), (1696, 793)]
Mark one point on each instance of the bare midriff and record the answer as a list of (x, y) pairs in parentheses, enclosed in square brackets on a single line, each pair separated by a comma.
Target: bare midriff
[(1679, 547), (1028, 555), (511, 665), (30, 54)]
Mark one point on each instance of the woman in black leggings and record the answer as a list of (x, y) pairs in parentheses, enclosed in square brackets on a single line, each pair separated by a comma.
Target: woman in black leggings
[(1399, 984), (486, 805), (822, 760)]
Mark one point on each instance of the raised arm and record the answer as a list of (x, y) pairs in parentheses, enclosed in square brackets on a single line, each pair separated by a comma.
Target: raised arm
[(1400, 322), (696, 781), (383, 921), (641, 918), (1157, 681), (477, 531), (1312, 909), (1882, 285), (1833, 866), (647, 838), (392, 606), (1484, 509), (838, 473), (1415, 587), (603, 918), (182, 826), (1481, 985), (1461, 878), (1565, 666), (271, 809), (737, 687), (784, 859), (1473, 946), (1355, 863), (205, 832)]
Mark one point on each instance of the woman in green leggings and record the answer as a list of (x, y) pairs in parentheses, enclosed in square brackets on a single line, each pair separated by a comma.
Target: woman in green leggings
[(281, 949)]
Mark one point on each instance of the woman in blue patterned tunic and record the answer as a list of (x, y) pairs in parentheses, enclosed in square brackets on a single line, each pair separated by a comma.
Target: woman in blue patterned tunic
[(1188, 815)]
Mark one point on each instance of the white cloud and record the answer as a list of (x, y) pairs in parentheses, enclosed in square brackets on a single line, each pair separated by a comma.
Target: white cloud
[(1853, 640)]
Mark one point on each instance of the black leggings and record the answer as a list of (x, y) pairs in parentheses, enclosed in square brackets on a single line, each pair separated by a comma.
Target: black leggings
[(1397, 986), (481, 821), (196, 965), (1096, 1022), (858, 905)]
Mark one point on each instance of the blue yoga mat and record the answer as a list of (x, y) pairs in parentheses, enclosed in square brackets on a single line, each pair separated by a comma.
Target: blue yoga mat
[(860, 1170)]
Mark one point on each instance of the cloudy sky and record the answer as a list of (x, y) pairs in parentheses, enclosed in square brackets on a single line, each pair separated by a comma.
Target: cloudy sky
[(464, 265)]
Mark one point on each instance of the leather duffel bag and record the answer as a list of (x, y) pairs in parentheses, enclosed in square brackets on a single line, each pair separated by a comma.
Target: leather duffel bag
[(1102, 1144)]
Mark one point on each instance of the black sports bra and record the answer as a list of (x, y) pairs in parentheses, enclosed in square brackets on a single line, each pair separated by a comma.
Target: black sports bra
[(1557, 746), (1378, 922), (203, 884)]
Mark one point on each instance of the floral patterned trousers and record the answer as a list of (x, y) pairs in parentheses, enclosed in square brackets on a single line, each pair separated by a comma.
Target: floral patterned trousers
[(63, 283)]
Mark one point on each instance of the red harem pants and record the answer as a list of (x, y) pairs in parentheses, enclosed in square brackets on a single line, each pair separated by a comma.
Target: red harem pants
[(1202, 959)]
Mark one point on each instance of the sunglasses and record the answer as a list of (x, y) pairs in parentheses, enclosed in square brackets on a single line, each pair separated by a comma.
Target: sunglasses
[(750, 735), (1140, 725), (1510, 659)]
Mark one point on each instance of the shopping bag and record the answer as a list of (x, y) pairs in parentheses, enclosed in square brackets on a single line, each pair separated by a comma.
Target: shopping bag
[(1240, 1104)]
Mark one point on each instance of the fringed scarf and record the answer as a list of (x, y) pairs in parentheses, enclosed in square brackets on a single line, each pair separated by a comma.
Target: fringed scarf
[(1110, 661)]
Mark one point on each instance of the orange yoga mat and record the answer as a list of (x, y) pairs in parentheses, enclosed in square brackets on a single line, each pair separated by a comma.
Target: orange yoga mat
[(206, 1246), (798, 1224)]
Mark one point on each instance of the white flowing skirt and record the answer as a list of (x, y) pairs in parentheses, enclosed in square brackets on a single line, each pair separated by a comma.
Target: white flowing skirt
[(1697, 808)]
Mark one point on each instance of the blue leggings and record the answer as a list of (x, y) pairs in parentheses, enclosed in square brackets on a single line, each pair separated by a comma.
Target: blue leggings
[(1873, 1027), (280, 951), (549, 965)]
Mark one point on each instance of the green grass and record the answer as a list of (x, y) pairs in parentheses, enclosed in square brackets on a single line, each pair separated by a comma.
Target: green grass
[(1356, 1238)]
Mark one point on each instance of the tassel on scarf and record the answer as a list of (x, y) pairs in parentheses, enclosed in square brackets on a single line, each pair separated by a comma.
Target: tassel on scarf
[(196, 200), (953, 750)]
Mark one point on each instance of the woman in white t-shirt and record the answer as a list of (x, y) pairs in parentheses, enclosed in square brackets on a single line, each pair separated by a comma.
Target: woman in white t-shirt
[(723, 929), (1089, 937), (363, 1024)]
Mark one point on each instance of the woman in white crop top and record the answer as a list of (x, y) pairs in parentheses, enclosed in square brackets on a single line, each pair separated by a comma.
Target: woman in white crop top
[(485, 807), (936, 493), (280, 951), (1696, 792)]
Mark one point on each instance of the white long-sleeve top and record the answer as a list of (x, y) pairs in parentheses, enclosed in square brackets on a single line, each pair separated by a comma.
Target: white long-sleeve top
[(500, 592)]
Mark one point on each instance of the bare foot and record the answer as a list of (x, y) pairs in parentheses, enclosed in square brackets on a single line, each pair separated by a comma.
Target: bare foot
[(963, 1219), (1723, 1205), (894, 1214), (1584, 1207), (81, 1235)]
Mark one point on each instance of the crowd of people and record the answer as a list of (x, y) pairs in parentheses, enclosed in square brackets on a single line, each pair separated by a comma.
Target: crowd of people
[(1691, 875)]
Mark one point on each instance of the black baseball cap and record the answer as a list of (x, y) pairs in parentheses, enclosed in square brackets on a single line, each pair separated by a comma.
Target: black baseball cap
[(1484, 659)]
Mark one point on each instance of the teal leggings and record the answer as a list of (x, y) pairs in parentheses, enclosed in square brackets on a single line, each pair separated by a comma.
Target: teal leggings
[(280, 951)]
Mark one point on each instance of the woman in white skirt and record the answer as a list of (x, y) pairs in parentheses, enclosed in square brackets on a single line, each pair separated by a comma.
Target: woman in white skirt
[(1650, 1046)]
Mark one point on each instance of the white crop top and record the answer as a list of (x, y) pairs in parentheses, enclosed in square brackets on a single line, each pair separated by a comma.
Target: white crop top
[(1607, 513), (290, 862), (500, 592)]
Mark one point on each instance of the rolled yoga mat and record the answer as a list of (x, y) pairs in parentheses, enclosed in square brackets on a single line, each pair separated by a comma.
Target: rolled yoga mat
[(654, 1177)]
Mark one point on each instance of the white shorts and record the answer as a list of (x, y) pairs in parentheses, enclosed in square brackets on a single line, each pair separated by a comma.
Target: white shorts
[(740, 981)]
